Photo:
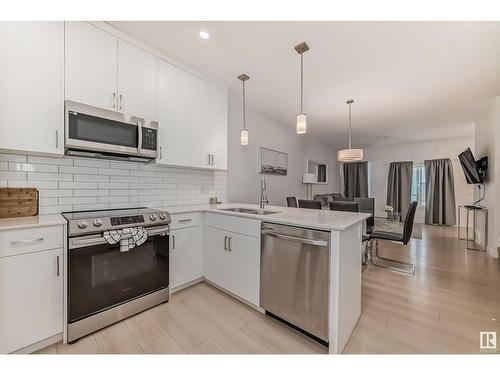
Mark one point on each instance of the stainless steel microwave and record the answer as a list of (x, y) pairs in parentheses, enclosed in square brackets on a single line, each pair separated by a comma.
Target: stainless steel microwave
[(100, 133)]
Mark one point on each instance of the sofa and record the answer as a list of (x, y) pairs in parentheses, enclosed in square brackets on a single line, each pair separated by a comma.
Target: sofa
[(325, 199)]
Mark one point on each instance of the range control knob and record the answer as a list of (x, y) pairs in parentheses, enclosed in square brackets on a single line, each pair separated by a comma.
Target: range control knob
[(97, 223), (82, 224), (162, 216), (152, 217)]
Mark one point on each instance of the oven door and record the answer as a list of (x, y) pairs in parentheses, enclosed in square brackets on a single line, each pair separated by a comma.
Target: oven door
[(98, 130), (101, 277)]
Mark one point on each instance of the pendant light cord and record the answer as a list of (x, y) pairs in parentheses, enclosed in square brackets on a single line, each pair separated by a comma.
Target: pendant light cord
[(244, 111), (350, 126), (301, 83)]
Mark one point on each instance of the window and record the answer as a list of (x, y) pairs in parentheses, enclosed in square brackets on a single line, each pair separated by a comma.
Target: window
[(418, 184)]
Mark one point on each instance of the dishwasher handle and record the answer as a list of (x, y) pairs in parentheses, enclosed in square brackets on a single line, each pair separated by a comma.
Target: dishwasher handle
[(306, 241)]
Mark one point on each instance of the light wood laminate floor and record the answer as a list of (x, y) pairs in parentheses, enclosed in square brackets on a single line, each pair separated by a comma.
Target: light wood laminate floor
[(453, 296)]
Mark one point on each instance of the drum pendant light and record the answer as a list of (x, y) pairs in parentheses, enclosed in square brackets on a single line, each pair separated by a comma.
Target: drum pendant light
[(350, 154), (244, 131), (302, 116)]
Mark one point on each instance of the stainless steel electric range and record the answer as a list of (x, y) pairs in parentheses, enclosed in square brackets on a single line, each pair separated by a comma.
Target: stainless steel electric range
[(117, 266)]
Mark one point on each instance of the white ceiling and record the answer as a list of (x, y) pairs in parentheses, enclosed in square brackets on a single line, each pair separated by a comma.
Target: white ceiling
[(410, 80)]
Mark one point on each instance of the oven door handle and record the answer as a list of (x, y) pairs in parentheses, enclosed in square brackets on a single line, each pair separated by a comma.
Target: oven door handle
[(161, 231)]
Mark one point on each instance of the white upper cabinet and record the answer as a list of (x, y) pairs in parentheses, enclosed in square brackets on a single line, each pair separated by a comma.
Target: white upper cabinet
[(174, 90), (90, 65), (137, 81), (202, 124), (31, 82), (193, 120)]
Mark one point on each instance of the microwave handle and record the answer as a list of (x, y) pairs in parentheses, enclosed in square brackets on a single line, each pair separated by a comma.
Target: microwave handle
[(139, 139)]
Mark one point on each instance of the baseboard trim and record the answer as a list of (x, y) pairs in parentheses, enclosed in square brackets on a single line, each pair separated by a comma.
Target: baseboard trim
[(258, 308), (492, 253), (187, 285), (39, 345)]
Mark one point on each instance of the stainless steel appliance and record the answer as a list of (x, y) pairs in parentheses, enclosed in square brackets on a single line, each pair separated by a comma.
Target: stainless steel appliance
[(295, 277), (104, 284), (100, 133)]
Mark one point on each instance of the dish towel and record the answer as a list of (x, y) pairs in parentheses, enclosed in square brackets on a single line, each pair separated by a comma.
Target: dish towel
[(128, 237)]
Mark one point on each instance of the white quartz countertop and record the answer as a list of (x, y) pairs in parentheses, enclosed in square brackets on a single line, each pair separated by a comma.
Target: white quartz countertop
[(309, 218), (31, 221)]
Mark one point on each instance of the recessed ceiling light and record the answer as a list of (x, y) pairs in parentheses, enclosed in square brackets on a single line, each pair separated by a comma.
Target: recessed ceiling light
[(204, 34)]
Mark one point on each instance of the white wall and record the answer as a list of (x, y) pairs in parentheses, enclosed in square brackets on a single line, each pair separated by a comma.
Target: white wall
[(243, 179), (380, 158), (486, 140)]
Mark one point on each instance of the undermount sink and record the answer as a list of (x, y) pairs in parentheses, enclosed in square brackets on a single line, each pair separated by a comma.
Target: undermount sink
[(249, 211)]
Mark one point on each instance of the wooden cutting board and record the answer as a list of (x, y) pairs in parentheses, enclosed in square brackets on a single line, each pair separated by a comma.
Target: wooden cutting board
[(16, 202)]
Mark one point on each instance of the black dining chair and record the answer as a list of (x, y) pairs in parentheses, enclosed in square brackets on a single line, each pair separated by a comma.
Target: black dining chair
[(341, 198), (304, 203), (404, 238), (337, 205), (291, 201), (367, 206)]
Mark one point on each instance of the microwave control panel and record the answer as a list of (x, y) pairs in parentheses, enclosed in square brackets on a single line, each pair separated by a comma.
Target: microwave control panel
[(149, 138)]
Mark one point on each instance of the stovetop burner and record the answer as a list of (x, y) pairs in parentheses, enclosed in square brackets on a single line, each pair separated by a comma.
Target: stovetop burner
[(89, 222)]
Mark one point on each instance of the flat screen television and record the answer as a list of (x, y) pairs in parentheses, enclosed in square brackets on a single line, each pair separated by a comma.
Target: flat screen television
[(474, 173)]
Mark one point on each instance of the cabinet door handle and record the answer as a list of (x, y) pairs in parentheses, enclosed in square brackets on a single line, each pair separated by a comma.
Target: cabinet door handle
[(173, 242), (212, 159), (57, 138), (230, 240), (225, 243), (209, 159), (26, 242), (57, 266), (121, 100), (161, 152), (114, 99), (185, 220)]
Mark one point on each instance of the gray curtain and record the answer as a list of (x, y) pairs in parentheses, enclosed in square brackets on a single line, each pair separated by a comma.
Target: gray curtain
[(356, 179), (399, 186), (439, 192)]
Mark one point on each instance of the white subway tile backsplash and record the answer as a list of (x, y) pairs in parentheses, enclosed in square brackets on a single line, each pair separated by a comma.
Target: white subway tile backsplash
[(12, 157), (80, 170), (71, 183), (114, 172), (91, 163), (36, 184), (77, 200), (29, 167), (90, 193), (91, 177), (77, 185), (45, 160), (40, 176), (9, 175)]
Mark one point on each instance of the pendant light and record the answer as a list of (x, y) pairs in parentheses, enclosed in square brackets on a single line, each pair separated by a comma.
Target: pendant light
[(350, 154), (244, 131), (302, 117)]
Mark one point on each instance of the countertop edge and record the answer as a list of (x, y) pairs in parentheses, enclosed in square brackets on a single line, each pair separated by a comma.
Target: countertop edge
[(31, 222)]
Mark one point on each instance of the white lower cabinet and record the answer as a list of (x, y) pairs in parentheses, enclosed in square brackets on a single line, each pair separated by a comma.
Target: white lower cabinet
[(232, 261), (31, 298), (186, 256)]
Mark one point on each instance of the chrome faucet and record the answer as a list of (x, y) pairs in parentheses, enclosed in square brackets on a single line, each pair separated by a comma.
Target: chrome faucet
[(263, 195)]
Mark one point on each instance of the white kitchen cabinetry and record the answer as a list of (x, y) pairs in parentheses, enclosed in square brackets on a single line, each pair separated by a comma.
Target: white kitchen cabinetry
[(186, 256), (193, 119), (91, 60), (31, 78), (31, 290), (174, 94), (232, 261), (136, 81), (106, 72)]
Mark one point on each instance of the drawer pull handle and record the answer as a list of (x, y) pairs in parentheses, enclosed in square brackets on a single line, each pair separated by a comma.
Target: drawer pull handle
[(173, 242), (225, 243), (26, 242), (57, 263), (185, 220), (230, 242)]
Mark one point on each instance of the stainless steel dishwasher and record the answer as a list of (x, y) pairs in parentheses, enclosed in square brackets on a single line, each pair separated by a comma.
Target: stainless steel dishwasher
[(295, 276)]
